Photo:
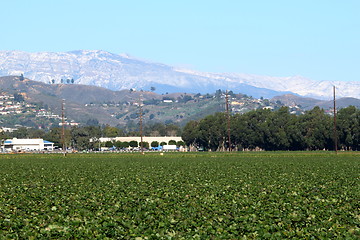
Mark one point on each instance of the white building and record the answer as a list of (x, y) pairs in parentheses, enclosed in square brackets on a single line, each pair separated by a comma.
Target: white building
[(138, 139), (27, 145)]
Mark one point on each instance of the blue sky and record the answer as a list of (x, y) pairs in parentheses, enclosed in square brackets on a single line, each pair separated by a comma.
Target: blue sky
[(318, 39)]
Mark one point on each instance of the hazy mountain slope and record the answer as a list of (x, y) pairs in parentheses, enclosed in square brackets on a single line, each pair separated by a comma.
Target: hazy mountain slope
[(76, 96), (309, 103), (108, 107), (341, 103), (292, 100)]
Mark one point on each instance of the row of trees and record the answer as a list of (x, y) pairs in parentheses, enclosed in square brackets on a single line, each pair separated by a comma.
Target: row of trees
[(133, 144), (63, 81), (276, 130)]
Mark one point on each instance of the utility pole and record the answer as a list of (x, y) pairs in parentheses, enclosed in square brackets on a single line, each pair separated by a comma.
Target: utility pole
[(63, 127), (141, 125), (228, 119), (335, 131)]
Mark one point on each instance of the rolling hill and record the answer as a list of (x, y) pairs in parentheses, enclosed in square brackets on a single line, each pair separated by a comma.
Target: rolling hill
[(84, 103)]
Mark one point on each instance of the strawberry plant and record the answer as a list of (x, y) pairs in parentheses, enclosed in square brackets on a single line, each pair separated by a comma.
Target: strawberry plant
[(180, 196)]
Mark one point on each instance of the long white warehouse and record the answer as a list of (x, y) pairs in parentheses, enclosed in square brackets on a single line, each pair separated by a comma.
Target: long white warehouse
[(145, 139), (36, 144)]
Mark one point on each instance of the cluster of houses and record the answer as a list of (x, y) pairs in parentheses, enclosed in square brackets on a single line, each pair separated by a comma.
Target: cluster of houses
[(246, 104), (9, 106), (47, 114)]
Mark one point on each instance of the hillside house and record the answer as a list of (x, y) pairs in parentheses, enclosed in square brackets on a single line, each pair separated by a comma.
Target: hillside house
[(16, 144)]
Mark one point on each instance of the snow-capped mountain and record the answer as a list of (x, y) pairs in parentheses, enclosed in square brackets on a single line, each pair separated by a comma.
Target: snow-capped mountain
[(118, 72)]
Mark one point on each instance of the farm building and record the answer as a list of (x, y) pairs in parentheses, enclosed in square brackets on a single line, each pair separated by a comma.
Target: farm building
[(145, 139), (16, 144)]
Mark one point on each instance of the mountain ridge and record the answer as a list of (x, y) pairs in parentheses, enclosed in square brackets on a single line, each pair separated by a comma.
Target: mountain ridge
[(119, 72)]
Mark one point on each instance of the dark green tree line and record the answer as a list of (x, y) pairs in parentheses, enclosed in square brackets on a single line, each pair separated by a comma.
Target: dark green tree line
[(276, 130)]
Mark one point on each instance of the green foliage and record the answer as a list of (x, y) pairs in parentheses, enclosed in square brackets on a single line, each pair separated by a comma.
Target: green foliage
[(317, 129), (21, 132), (92, 122), (180, 196), (109, 144), (54, 135), (154, 144), (348, 122), (125, 144), (18, 97), (145, 145), (152, 102), (81, 137), (190, 133), (159, 129), (184, 99), (109, 131), (133, 144), (118, 144), (218, 93), (276, 130), (4, 135)]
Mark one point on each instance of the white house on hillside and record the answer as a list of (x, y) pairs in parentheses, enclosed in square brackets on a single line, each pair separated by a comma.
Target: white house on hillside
[(16, 144)]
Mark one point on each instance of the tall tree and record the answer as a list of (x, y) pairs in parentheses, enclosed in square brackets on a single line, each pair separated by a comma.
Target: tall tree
[(190, 133), (348, 122), (109, 131), (212, 132), (317, 129), (277, 130)]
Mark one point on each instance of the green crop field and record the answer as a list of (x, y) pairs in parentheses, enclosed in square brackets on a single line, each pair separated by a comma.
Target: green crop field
[(307, 195)]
